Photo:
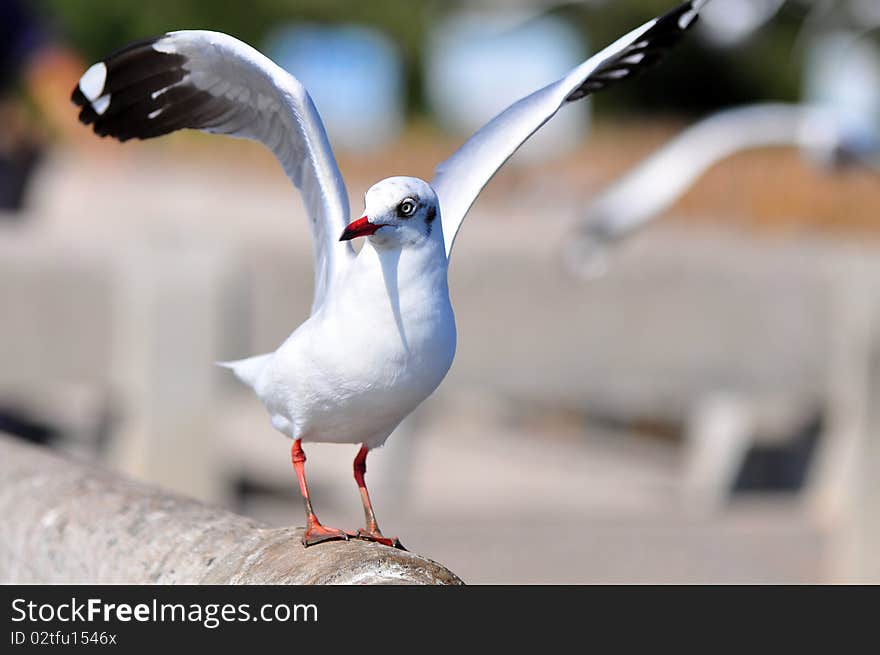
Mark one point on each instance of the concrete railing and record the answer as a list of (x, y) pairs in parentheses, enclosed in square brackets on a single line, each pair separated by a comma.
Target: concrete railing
[(65, 522)]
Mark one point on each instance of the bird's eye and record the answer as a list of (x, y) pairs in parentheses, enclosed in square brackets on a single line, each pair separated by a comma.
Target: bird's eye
[(406, 208)]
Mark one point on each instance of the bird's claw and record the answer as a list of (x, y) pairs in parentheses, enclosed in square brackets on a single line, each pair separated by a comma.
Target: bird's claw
[(317, 534), (379, 538)]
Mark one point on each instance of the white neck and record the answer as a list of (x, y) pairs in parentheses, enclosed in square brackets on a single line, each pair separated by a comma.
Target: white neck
[(422, 264)]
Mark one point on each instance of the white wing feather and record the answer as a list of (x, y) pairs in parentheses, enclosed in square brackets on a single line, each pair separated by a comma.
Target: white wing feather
[(215, 83), (654, 185), (459, 180)]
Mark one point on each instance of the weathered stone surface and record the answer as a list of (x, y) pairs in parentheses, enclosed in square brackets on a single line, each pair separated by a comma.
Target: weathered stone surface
[(65, 522)]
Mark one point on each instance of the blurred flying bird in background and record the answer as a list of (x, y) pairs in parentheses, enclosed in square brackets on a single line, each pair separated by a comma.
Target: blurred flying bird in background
[(838, 123)]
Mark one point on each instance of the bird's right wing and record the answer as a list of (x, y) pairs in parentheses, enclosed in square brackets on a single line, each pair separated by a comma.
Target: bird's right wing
[(459, 180), (215, 83)]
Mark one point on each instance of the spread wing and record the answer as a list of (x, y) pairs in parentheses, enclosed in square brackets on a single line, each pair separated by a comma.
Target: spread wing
[(650, 188), (212, 82), (459, 180), (655, 184)]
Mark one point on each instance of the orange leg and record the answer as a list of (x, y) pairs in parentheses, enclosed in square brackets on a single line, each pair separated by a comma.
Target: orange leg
[(315, 532), (372, 532)]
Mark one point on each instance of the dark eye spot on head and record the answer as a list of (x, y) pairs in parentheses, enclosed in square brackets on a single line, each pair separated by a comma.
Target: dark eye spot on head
[(430, 215)]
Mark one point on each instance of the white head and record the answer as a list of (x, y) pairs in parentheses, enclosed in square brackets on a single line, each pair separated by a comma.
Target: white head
[(398, 212)]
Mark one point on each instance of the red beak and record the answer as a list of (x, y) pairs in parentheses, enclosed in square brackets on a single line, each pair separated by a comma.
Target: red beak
[(359, 228)]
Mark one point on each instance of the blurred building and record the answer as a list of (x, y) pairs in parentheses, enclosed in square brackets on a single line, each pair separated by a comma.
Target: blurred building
[(480, 61), (354, 75)]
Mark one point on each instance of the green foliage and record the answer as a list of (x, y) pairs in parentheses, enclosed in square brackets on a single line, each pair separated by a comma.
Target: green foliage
[(694, 79), (99, 26)]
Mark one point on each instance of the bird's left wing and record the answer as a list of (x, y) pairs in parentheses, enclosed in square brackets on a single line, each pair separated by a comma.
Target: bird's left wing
[(459, 180), (215, 83)]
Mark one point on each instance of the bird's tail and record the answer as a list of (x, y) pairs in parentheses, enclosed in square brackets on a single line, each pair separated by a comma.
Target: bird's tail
[(248, 370)]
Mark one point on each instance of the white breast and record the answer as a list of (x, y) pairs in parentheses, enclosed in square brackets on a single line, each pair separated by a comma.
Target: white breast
[(358, 367)]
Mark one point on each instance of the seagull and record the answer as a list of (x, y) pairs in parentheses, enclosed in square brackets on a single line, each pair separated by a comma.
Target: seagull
[(654, 185), (381, 333), (836, 124)]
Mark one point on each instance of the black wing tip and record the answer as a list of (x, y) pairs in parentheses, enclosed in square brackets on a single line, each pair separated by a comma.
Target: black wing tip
[(674, 17), (139, 44), (133, 73), (113, 61), (670, 27), (87, 115), (77, 97), (651, 47)]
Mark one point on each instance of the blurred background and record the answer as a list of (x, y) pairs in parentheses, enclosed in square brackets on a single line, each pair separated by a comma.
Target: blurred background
[(699, 406)]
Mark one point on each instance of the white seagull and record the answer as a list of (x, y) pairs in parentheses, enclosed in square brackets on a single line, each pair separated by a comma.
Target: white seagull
[(838, 123), (654, 185), (381, 334)]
